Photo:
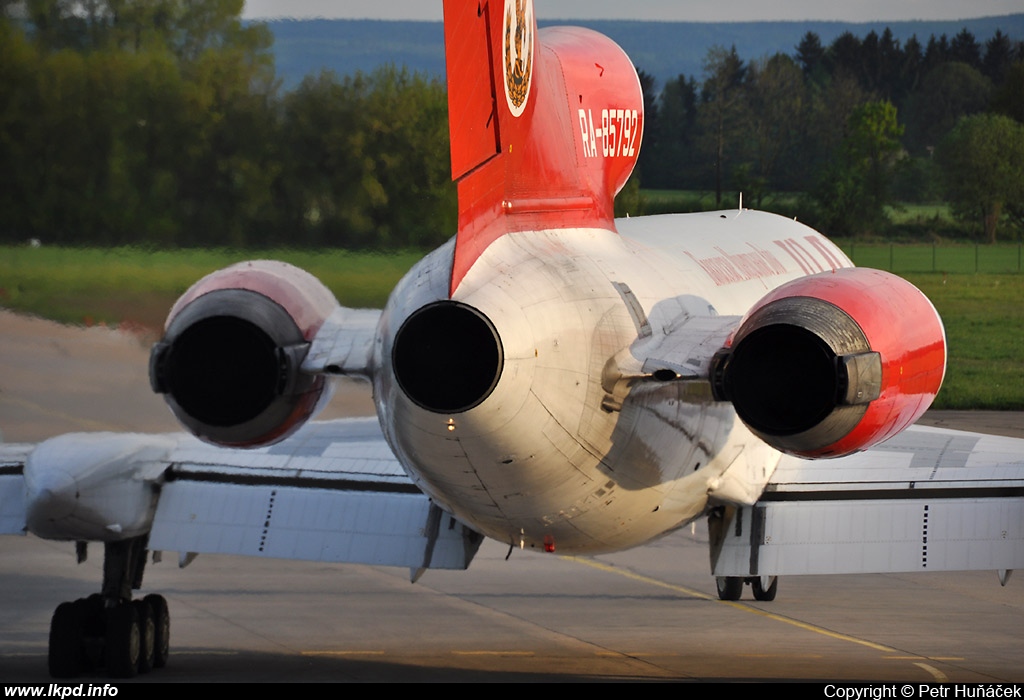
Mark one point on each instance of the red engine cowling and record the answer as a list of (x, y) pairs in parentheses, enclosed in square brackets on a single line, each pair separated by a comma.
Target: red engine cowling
[(833, 363), (229, 362)]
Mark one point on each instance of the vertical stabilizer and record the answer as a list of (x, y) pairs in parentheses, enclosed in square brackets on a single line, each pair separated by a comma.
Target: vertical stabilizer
[(545, 126)]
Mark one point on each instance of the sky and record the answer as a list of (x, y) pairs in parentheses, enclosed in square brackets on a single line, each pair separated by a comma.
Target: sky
[(658, 10)]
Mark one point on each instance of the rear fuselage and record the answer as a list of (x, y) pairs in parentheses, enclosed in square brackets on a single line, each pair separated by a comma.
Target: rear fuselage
[(529, 447)]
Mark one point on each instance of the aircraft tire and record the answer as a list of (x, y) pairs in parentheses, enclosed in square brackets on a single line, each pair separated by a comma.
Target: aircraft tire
[(147, 635), (121, 650), (65, 654), (764, 594), (729, 587), (92, 630), (161, 629)]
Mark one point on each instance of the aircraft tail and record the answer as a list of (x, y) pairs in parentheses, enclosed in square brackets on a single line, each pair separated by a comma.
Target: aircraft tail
[(545, 126)]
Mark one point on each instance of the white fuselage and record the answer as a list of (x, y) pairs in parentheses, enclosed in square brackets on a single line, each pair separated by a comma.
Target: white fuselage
[(544, 459)]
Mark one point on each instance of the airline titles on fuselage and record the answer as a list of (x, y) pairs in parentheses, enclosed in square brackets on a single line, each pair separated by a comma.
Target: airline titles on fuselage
[(730, 268)]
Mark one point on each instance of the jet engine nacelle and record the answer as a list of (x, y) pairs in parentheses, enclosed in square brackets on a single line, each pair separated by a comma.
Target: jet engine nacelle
[(833, 363), (229, 362)]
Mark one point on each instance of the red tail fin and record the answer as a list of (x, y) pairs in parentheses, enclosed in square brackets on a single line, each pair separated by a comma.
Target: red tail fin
[(545, 126)]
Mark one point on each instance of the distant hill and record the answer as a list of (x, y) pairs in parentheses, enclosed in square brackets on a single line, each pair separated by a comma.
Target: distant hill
[(663, 49)]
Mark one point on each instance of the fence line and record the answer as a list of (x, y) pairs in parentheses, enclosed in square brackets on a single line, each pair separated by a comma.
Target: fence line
[(923, 257)]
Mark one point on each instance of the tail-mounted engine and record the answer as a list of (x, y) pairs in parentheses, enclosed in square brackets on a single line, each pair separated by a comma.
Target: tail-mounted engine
[(833, 363), (229, 362)]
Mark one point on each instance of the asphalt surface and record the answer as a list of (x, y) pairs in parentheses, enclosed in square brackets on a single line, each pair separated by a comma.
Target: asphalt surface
[(645, 614)]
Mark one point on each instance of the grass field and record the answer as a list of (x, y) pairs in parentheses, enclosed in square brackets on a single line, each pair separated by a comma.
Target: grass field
[(116, 285), (984, 319), (983, 313), (948, 258), (684, 201), (903, 221), (904, 213)]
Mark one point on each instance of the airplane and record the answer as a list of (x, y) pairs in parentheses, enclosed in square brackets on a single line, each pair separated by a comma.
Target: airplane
[(551, 378)]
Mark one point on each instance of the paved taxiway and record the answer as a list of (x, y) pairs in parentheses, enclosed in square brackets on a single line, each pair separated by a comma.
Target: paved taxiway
[(648, 613)]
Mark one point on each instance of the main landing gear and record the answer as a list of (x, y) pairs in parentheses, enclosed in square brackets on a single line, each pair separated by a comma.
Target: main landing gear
[(764, 588), (110, 630)]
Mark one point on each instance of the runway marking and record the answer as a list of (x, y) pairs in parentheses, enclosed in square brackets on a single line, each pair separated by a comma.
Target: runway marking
[(918, 658), (938, 675), (739, 606), (349, 652)]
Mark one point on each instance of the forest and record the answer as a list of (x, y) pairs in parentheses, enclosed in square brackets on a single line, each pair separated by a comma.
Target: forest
[(162, 123), (855, 125)]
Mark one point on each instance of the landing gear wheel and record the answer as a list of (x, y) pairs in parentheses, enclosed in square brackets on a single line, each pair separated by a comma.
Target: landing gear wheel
[(147, 635), (762, 593), (66, 659), (161, 629), (122, 641), (729, 587), (92, 620)]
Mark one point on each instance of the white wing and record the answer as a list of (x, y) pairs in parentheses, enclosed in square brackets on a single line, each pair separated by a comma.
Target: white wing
[(332, 492), (928, 500), (12, 488)]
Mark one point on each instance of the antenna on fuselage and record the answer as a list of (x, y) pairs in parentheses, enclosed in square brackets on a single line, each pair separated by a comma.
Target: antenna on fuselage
[(739, 210)]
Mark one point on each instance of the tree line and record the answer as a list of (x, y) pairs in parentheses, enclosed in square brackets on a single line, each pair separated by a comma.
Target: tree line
[(855, 125), (161, 122)]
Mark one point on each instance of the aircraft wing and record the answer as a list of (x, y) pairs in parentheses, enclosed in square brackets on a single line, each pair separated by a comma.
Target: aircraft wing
[(12, 488), (332, 492), (927, 500)]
